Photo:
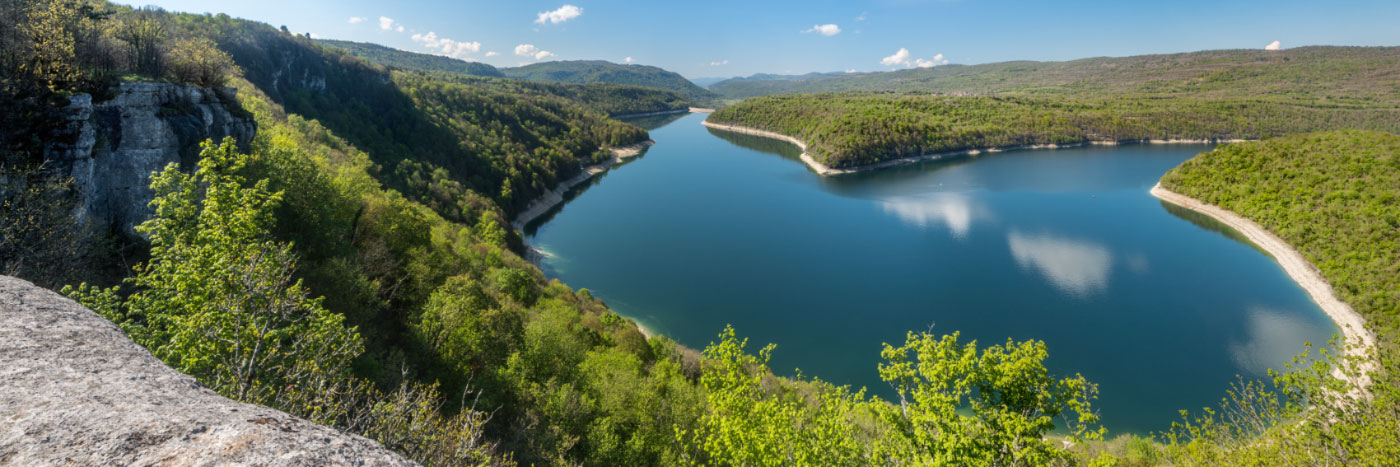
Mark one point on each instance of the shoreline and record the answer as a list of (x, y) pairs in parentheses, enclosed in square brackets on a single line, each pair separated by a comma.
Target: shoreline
[(1356, 340), (826, 171), (687, 110), (544, 202)]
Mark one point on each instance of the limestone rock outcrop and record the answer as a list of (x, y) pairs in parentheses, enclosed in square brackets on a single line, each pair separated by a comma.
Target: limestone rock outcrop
[(114, 145), (75, 391)]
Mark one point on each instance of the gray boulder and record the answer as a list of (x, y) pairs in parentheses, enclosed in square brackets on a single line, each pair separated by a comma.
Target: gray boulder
[(75, 391)]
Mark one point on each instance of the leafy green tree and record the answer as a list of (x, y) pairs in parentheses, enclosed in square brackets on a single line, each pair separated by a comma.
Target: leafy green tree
[(217, 299), (199, 61), (1012, 399), (747, 424)]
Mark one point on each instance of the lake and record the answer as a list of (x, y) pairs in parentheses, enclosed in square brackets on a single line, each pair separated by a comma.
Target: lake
[(1161, 308)]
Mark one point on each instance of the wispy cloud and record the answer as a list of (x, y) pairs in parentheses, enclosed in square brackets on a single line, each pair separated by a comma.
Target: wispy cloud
[(719, 63), (529, 50), (902, 57), (356, 20), (825, 29), (448, 47), (386, 23), (862, 16), (628, 60), (492, 54), (564, 13), (1275, 45)]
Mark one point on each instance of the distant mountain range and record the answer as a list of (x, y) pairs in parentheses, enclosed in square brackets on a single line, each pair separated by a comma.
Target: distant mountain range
[(579, 71), (1258, 69)]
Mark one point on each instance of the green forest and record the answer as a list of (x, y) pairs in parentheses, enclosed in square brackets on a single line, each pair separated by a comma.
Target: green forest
[(597, 71), (1319, 73), (362, 238), (848, 130)]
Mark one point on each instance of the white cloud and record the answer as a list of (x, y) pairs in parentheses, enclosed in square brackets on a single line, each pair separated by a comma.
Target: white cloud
[(899, 58), (528, 50), (719, 63), (825, 29), (628, 60), (492, 54), (448, 47), (903, 57), (862, 16), (400, 28), (386, 23), (313, 35), (1275, 45), (564, 13), (853, 70), (356, 20)]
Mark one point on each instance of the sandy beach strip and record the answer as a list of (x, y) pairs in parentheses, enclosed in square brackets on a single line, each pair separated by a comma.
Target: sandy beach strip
[(825, 170), (1358, 341)]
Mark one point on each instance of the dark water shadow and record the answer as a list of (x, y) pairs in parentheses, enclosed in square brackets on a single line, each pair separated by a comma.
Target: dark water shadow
[(653, 122), (1210, 224), (569, 195), (761, 144)]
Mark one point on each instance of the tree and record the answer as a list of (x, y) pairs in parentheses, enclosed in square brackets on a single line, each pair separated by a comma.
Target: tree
[(199, 61), (146, 35), (217, 299), (1013, 401)]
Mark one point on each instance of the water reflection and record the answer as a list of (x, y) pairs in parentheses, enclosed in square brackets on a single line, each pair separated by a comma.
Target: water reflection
[(653, 122), (953, 210), (1273, 336), (1074, 266)]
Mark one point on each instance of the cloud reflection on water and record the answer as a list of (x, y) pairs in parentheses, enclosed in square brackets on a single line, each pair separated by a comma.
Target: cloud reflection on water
[(1076, 267), (1273, 338), (950, 209)]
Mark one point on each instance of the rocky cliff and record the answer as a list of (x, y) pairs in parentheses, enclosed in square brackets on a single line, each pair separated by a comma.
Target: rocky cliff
[(113, 146), (75, 391)]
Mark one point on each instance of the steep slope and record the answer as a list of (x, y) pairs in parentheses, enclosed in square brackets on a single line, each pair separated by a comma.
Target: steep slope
[(75, 390), (597, 71), (405, 60)]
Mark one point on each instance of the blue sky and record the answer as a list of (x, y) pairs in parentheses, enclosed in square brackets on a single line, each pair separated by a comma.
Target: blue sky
[(739, 38)]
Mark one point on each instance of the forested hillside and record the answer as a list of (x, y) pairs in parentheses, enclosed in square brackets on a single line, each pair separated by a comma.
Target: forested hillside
[(597, 71), (352, 266), (854, 129), (1322, 75), (1332, 196), (403, 60)]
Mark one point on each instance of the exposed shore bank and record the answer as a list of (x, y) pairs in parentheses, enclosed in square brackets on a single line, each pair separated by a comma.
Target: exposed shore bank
[(548, 200), (1357, 340), (649, 114), (825, 170)]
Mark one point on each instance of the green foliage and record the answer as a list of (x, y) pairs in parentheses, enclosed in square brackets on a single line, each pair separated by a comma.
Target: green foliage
[(1323, 76), (856, 129), (597, 71), (1013, 400), (199, 61), (1331, 196), (411, 61), (747, 424), (217, 300)]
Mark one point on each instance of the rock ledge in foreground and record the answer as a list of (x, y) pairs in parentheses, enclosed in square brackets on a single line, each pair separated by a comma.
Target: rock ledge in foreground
[(75, 391)]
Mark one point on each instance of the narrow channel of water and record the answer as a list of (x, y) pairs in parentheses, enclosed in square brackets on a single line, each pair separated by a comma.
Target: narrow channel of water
[(1160, 307)]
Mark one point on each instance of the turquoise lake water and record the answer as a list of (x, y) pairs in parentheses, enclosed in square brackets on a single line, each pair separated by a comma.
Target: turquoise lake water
[(1161, 308)]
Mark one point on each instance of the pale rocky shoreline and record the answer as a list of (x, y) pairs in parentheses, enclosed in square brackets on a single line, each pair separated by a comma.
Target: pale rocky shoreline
[(825, 170), (1358, 341), (548, 200)]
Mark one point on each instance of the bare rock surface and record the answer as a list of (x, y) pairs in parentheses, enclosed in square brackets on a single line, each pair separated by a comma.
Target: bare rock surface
[(113, 146), (75, 391)]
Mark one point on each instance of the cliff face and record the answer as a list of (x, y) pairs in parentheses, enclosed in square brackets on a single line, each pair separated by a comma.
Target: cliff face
[(75, 391), (115, 145)]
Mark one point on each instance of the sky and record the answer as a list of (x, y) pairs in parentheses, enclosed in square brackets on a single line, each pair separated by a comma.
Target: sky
[(724, 38)]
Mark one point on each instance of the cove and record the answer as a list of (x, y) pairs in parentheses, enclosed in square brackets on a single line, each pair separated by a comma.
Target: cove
[(1161, 307)]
